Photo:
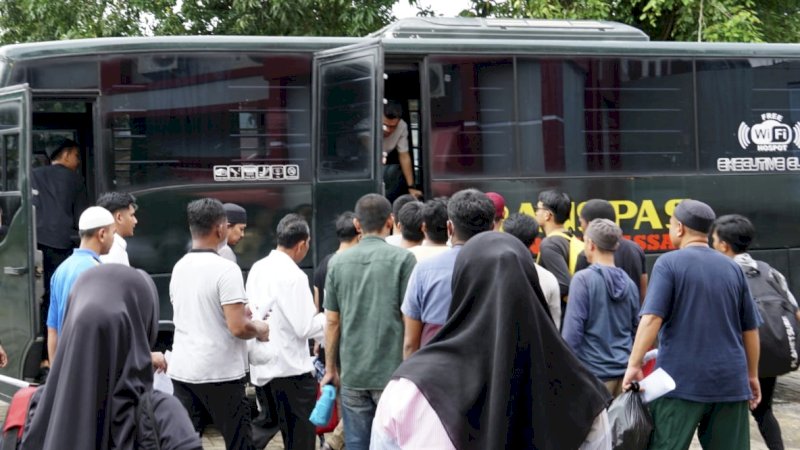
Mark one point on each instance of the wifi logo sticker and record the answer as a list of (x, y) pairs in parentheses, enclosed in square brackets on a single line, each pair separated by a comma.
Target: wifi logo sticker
[(771, 135)]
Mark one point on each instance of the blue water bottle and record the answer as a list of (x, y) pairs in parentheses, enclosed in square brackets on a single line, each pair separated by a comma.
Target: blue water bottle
[(321, 414)]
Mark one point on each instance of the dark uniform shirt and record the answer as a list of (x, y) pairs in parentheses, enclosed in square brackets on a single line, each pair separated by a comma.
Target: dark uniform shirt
[(60, 198)]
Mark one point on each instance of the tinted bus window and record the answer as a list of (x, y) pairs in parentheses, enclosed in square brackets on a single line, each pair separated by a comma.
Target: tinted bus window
[(605, 115), (552, 116), (747, 109), (61, 74), (472, 114), (174, 119)]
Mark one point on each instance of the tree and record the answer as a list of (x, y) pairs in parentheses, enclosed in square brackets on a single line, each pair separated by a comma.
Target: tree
[(39, 20), (679, 20)]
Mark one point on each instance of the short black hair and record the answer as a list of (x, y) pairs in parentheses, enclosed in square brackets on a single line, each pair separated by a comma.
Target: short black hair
[(598, 208), (372, 211), (410, 218), (64, 144), (345, 228), (434, 216), (205, 214), (523, 227), (115, 201), (736, 230), (558, 203), (392, 110), (292, 229), (471, 212), (401, 201)]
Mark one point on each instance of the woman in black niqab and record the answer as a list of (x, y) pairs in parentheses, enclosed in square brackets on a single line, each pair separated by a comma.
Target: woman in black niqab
[(498, 374), (102, 367)]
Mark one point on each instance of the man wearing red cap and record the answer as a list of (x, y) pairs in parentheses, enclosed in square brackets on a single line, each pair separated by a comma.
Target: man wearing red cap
[(499, 209)]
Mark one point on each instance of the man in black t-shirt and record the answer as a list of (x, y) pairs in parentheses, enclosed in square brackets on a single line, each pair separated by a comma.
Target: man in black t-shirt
[(552, 210), (59, 195), (629, 256), (348, 237)]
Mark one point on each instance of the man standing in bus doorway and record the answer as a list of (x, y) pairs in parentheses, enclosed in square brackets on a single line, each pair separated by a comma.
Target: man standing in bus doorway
[(237, 222), (96, 227), (699, 305), (122, 206), (59, 195), (398, 171), (552, 210)]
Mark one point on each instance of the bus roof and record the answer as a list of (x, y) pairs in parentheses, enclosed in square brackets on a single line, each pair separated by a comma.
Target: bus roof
[(421, 36), (475, 28)]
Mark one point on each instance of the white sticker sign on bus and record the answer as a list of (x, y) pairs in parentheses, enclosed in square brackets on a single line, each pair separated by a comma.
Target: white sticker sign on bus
[(264, 172)]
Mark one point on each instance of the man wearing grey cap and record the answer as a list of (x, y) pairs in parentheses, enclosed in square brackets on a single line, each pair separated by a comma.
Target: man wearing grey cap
[(603, 312), (96, 229), (237, 222), (708, 340)]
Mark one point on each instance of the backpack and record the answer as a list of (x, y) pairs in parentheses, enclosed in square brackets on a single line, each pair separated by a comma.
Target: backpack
[(575, 248), (778, 334), (147, 435), (16, 418)]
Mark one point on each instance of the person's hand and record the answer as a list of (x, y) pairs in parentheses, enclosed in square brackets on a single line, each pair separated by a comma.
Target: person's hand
[(262, 331), (797, 314), (316, 348), (248, 312), (633, 373), (755, 386), (159, 361), (331, 376), (415, 192), (3, 357)]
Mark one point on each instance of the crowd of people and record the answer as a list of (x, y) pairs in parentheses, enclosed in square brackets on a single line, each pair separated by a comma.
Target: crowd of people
[(436, 322)]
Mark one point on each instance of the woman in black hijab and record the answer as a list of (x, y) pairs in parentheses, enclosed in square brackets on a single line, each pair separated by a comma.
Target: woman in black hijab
[(102, 369), (497, 375)]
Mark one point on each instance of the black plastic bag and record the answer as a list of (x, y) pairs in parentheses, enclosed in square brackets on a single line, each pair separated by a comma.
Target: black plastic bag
[(631, 423)]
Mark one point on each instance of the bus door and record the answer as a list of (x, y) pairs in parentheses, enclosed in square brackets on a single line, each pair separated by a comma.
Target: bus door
[(17, 275), (348, 106)]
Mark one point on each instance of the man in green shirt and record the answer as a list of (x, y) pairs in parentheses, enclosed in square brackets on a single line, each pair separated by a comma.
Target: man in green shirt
[(363, 292)]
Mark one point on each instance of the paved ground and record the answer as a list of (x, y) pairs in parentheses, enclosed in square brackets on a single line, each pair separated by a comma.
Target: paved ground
[(786, 407)]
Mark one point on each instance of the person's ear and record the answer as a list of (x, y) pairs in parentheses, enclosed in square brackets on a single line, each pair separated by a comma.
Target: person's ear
[(357, 224)]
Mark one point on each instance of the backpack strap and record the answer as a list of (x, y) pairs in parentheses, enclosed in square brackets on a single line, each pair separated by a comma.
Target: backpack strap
[(574, 245)]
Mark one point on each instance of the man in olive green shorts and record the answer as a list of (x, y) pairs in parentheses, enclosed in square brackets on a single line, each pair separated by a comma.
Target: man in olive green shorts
[(708, 339)]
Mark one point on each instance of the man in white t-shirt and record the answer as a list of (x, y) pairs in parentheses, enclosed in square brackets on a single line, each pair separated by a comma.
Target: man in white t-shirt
[(525, 228), (122, 206), (209, 351), (277, 288)]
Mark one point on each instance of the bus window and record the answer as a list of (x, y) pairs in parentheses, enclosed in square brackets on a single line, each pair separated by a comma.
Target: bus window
[(347, 123), (605, 115), (472, 114), (61, 73), (174, 118), (747, 108)]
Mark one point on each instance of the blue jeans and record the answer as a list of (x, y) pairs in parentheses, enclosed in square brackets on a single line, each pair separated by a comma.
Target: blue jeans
[(358, 410)]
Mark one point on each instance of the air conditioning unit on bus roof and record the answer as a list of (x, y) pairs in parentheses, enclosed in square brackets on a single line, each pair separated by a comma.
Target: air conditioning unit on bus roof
[(156, 63)]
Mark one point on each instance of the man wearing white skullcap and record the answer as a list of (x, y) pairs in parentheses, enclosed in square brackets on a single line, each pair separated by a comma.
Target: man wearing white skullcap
[(96, 229)]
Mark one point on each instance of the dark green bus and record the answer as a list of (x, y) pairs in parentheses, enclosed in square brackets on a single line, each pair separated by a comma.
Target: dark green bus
[(278, 125)]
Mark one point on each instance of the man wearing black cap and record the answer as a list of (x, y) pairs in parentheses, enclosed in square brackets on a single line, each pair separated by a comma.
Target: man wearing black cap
[(59, 195), (237, 222), (699, 300), (629, 256)]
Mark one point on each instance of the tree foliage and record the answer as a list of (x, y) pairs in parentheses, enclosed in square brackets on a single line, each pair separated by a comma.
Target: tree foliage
[(679, 20), (39, 20)]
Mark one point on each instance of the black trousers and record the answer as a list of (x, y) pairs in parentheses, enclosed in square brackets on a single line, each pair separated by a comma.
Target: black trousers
[(767, 424), (394, 182), (227, 405), (51, 259), (265, 425), (295, 398)]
